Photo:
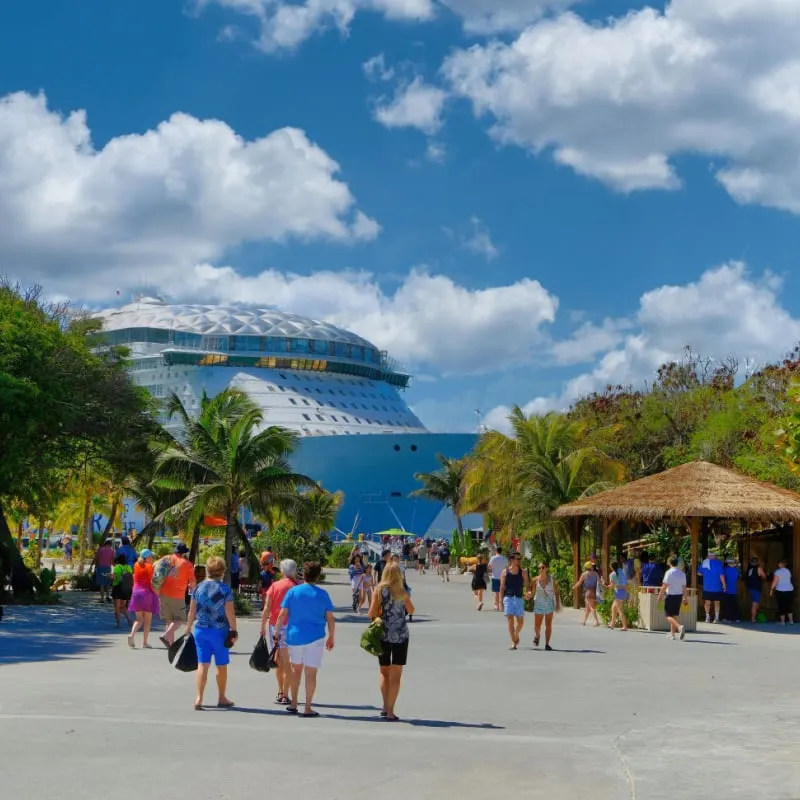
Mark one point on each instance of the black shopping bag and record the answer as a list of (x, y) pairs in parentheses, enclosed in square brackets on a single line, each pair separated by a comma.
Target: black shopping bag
[(273, 657), (261, 660), (187, 659), (175, 648)]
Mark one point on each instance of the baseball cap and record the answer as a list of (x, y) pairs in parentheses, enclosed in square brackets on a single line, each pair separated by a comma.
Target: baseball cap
[(147, 553)]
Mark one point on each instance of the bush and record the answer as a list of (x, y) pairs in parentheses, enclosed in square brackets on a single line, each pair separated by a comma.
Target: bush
[(340, 556), (205, 553), (163, 549), (242, 606), (82, 583), (629, 608)]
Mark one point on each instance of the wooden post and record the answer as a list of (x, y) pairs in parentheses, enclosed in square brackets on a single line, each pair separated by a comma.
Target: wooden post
[(604, 548), (576, 558), (694, 523), (796, 566)]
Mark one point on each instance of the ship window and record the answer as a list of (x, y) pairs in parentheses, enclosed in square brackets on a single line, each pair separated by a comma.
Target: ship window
[(397, 448), (334, 419), (397, 494), (282, 388), (293, 401), (271, 388), (320, 418), (319, 391), (306, 402), (331, 391), (345, 419), (414, 448), (320, 347), (305, 416), (358, 420)]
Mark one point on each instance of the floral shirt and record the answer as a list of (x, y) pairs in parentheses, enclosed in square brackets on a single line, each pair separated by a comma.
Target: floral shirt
[(210, 598), (393, 614)]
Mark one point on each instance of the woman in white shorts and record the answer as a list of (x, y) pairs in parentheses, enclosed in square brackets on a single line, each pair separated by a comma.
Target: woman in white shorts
[(305, 611)]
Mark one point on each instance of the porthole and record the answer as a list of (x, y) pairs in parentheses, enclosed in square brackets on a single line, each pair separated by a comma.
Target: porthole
[(414, 448), (397, 448)]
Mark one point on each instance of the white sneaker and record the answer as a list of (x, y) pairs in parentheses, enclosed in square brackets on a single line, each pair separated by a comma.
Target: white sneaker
[(671, 636), (682, 632)]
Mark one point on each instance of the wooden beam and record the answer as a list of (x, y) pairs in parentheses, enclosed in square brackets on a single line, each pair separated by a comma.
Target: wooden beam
[(576, 558), (607, 526), (694, 524), (796, 566)]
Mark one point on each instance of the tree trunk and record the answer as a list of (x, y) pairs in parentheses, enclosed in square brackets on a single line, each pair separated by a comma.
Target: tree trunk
[(115, 503), (252, 558), (9, 554), (231, 533), (86, 532), (20, 534), (459, 525), (40, 541), (194, 544)]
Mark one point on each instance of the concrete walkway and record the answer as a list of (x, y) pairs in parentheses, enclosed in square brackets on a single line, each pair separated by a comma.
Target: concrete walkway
[(608, 715)]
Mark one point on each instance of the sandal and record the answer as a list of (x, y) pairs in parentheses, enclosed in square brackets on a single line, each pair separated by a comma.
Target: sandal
[(291, 710), (226, 704), (310, 714), (198, 707), (383, 714), (535, 641)]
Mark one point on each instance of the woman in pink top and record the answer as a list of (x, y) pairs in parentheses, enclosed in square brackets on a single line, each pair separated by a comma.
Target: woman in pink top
[(269, 617)]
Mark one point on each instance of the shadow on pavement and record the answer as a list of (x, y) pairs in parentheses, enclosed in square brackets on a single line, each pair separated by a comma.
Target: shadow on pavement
[(71, 629)]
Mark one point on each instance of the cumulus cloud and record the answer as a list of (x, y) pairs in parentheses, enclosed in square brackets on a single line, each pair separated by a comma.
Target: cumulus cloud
[(376, 69), (428, 321), (618, 101), (285, 24), (414, 105), (148, 204), (480, 241), (727, 312)]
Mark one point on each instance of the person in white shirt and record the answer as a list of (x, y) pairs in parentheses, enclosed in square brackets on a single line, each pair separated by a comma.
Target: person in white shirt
[(783, 591), (674, 586), (497, 565)]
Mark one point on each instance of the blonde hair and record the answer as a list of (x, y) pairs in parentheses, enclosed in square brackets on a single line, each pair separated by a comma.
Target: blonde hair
[(392, 581), (215, 568)]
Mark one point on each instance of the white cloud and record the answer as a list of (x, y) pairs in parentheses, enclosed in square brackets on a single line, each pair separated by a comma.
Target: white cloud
[(375, 68), (429, 320), (414, 105), (436, 152), (619, 100), (162, 201), (727, 312), (480, 242), (285, 24), (496, 16)]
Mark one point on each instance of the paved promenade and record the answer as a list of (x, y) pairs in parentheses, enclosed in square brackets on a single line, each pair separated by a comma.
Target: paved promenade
[(607, 715)]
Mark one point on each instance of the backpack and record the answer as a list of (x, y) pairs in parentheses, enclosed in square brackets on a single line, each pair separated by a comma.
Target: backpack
[(126, 582), (163, 569)]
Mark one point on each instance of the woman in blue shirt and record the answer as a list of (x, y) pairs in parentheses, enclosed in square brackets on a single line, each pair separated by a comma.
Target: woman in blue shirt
[(214, 621), (305, 611)]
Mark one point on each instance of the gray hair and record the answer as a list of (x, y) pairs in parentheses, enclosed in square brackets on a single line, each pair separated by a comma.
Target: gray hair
[(288, 568)]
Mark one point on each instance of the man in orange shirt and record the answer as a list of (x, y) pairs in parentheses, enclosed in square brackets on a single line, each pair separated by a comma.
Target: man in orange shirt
[(269, 617), (173, 592)]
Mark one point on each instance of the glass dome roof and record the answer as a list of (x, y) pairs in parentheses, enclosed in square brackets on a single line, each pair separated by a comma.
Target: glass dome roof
[(235, 320)]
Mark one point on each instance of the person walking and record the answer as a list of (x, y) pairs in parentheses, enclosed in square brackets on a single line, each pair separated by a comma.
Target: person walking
[(515, 588), (104, 561), (546, 602), (498, 563), (269, 620), (444, 562), (172, 594), (128, 550), (618, 583), (422, 557), (589, 580), (355, 570), (754, 579), (674, 586), (144, 601), (305, 611), (391, 603), (365, 589), (713, 573), (212, 621), (479, 580), (121, 588), (730, 601), (783, 591), (380, 564)]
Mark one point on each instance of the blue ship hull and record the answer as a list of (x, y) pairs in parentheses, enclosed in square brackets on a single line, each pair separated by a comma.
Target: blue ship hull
[(376, 475)]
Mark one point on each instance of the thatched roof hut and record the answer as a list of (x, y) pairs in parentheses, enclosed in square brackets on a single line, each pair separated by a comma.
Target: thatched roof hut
[(688, 494), (698, 489)]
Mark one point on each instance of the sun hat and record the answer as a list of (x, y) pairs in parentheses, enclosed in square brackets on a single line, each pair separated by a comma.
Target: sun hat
[(181, 548)]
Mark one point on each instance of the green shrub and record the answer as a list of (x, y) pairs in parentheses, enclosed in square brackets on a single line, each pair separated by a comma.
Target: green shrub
[(242, 606), (340, 556), (163, 549), (82, 583), (205, 553), (630, 609)]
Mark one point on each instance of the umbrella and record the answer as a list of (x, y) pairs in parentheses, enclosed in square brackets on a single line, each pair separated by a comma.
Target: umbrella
[(395, 532)]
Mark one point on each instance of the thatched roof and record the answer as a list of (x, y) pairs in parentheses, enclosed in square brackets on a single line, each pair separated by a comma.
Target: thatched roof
[(698, 489)]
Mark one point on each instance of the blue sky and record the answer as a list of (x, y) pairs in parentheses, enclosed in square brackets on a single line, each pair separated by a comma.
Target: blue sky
[(524, 209)]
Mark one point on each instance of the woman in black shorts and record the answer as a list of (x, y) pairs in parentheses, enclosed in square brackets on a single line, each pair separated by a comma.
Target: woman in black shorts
[(479, 581), (390, 603)]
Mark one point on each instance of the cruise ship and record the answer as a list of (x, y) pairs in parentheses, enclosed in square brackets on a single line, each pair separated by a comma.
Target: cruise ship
[(339, 392)]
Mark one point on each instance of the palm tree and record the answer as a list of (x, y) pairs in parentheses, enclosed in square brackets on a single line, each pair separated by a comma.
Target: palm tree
[(523, 478), (223, 462), (315, 512), (444, 486)]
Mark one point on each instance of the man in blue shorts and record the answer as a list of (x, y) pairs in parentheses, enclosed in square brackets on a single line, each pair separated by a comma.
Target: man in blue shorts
[(498, 563)]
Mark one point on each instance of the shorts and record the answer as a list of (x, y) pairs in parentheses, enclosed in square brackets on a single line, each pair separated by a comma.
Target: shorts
[(513, 606), (282, 643), (421, 562), (755, 595), (621, 594), (235, 581), (309, 655), (211, 642), (393, 655), (119, 593), (444, 566), (173, 609), (103, 577), (590, 595), (496, 585), (672, 605), (544, 606), (784, 602), (713, 597)]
